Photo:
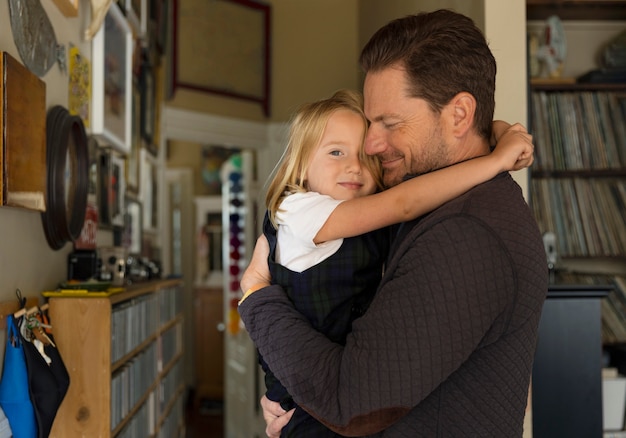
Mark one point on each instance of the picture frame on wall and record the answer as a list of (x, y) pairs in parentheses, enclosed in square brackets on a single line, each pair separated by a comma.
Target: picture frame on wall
[(149, 190), (147, 91), (160, 14), (233, 39), (132, 160), (137, 13), (112, 58), (112, 188)]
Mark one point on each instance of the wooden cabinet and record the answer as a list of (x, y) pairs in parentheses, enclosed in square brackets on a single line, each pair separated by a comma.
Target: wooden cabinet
[(124, 356), (566, 379), (209, 342)]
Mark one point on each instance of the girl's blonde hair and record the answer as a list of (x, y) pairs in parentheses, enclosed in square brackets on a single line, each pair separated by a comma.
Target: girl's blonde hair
[(307, 128)]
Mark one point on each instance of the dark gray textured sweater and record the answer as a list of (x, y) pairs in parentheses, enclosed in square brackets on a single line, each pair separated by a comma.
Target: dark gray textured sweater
[(446, 347)]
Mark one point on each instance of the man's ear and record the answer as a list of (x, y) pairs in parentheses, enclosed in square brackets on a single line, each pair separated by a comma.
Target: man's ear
[(463, 107)]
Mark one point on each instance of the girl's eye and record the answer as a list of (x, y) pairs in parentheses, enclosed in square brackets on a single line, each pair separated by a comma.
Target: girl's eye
[(335, 153)]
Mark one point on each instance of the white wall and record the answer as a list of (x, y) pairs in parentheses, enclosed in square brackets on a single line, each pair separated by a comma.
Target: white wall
[(505, 30), (26, 261)]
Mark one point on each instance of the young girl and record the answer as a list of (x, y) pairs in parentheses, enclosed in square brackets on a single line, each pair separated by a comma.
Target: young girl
[(329, 230)]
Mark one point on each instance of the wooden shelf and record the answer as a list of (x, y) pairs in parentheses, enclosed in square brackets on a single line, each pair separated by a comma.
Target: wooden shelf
[(84, 330), (588, 173), (576, 10), (567, 85)]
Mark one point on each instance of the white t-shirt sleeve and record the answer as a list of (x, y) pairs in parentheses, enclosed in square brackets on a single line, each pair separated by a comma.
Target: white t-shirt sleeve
[(300, 217)]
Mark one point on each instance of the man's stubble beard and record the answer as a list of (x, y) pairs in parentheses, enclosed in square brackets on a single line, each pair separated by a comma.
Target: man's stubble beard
[(428, 160)]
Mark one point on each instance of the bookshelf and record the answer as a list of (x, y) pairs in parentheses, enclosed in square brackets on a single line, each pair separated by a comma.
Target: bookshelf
[(578, 182), (124, 356), (578, 192)]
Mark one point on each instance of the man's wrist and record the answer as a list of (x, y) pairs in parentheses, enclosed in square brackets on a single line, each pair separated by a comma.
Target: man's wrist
[(250, 291)]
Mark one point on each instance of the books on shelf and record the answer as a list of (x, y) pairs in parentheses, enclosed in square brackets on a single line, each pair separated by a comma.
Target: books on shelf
[(579, 130), (586, 214), (578, 189)]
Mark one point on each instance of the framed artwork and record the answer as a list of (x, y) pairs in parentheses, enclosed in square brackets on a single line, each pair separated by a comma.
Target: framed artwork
[(137, 13), (232, 37), (160, 15), (112, 52), (133, 222), (112, 188), (132, 160), (149, 190), (79, 89), (147, 87)]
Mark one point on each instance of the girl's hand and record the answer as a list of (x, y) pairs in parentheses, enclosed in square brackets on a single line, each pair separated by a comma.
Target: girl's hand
[(515, 146), (275, 417)]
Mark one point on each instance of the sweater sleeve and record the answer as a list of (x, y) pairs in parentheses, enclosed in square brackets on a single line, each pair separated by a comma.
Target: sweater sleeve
[(446, 292)]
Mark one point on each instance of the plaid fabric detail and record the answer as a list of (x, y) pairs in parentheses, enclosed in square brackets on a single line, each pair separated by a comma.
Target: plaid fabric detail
[(330, 295)]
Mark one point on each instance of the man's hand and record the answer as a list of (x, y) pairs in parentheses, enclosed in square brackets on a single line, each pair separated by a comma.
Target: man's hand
[(257, 273), (275, 417)]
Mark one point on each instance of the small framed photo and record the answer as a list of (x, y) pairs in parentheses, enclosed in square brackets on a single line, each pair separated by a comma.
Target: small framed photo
[(112, 53), (112, 188)]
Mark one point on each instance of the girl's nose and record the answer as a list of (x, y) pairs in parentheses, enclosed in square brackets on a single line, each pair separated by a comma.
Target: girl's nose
[(354, 166)]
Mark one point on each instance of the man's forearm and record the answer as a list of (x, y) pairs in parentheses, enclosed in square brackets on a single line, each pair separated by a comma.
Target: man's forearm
[(309, 365)]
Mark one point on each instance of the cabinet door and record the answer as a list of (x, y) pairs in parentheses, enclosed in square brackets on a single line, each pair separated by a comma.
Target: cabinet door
[(567, 371), (209, 343)]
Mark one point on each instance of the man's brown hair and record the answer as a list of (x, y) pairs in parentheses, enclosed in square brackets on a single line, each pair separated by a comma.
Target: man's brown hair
[(443, 53)]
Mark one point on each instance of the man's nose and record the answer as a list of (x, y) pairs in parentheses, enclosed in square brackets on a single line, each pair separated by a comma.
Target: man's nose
[(374, 143)]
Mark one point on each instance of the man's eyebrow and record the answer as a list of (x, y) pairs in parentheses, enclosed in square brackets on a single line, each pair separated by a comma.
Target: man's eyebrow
[(379, 117)]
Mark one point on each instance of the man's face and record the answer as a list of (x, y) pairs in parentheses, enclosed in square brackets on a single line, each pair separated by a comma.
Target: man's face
[(404, 133)]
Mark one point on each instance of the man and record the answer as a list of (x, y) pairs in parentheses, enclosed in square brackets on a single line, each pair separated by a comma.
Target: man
[(446, 346)]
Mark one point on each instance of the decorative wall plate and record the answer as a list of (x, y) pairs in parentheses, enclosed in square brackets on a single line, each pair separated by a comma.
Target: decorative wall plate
[(34, 36), (68, 177)]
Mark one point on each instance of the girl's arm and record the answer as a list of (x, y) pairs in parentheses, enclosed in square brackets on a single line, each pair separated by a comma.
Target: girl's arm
[(427, 192)]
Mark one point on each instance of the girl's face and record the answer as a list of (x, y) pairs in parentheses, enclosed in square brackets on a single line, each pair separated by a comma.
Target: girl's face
[(335, 168)]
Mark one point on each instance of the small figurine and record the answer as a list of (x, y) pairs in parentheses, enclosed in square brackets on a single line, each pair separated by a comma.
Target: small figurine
[(552, 50)]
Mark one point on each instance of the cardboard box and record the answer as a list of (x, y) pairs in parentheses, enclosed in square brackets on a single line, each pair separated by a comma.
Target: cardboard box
[(613, 403)]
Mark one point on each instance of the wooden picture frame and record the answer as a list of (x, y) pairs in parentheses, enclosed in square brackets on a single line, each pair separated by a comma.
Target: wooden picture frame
[(112, 52), (160, 13), (236, 31), (149, 190), (148, 104)]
